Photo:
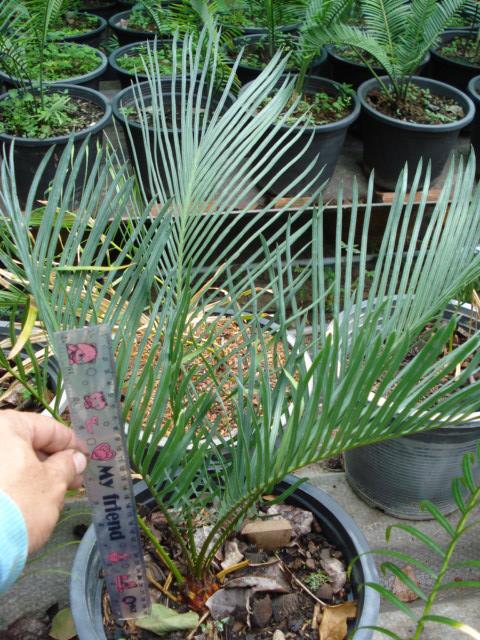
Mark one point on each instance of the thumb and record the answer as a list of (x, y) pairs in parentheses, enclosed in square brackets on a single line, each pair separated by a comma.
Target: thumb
[(67, 466)]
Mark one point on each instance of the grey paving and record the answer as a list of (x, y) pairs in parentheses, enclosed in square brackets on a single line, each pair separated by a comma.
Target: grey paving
[(461, 604), (45, 581)]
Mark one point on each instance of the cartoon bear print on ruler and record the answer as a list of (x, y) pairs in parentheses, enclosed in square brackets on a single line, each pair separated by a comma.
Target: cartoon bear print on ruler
[(90, 423), (95, 400), (103, 451), (81, 353)]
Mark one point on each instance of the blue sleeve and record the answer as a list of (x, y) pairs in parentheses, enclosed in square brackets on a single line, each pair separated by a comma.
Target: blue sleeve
[(13, 542)]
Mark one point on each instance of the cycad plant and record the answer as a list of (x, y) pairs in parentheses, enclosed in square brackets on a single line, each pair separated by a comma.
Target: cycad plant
[(203, 296), (396, 35)]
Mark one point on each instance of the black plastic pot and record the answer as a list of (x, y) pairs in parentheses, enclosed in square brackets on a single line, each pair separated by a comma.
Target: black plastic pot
[(354, 73), (126, 35), (91, 37), (338, 527), (90, 80), (396, 475), (321, 144), (257, 31), (390, 143), (126, 77), (103, 8), (247, 74), (136, 145), (474, 92), (29, 152), (453, 72)]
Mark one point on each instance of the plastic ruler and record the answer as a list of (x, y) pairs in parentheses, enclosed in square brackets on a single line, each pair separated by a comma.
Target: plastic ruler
[(86, 361)]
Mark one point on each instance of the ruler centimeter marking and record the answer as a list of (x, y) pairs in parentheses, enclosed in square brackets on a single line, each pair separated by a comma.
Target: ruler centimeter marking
[(86, 361)]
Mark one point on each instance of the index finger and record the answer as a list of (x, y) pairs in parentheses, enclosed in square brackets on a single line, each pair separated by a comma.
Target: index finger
[(48, 435)]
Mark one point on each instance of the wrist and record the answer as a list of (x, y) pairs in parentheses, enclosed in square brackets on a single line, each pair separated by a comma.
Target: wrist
[(13, 541)]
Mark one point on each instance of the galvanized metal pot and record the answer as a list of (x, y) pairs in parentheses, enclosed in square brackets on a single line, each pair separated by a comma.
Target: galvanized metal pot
[(396, 475)]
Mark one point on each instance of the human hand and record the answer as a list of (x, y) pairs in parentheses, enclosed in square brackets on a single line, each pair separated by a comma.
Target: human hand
[(39, 460)]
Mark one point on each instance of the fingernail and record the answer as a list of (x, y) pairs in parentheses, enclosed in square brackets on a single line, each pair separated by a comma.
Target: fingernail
[(80, 462)]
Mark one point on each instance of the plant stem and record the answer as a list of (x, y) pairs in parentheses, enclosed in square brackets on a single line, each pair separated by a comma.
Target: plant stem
[(169, 563), (460, 528)]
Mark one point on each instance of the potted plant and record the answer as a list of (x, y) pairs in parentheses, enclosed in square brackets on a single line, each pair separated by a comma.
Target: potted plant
[(80, 27), (178, 266), (474, 92), (418, 117), (36, 117), (329, 110), (250, 17), (258, 49), (129, 61), (103, 8), (139, 24), (457, 58), (397, 475)]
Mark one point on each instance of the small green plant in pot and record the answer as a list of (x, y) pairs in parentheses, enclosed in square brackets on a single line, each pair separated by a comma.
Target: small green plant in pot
[(456, 59), (216, 420), (327, 107), (259, 48), (35, 116), (417, 117)]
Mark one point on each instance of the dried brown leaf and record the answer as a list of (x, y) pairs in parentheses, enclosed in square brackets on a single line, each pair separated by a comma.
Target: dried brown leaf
[(334, 620)]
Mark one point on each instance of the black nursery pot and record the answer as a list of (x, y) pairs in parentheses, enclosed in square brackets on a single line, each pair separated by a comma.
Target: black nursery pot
[(322, 144), (104, 9), (91, 37), (390, 143), (126, 35), (126, 77), (29, 152), (453, 72), (355, 73), (86, 586), (89, 80), (247, 74), (474, 92), (136, 144)]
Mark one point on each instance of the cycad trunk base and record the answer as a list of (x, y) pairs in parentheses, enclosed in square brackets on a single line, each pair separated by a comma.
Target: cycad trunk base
[(29, 153), (86, 586), (390, 143), (457, 73)]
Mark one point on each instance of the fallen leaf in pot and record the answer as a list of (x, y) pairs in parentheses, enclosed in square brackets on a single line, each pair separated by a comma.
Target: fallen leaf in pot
[(300, 519), (226, 603), (163, 620), (231, 554), (269, 577), (334, 620), (335, 570)]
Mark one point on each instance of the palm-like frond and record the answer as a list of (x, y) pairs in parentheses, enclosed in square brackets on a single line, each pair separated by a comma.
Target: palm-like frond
[(385, 21), (41, 15), (164, 274)]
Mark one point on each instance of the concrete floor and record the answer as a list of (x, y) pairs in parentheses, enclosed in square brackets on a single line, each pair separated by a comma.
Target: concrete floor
[(42, 589)]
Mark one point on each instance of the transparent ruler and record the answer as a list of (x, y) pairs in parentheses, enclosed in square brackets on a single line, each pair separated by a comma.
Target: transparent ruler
[(86, 360)]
